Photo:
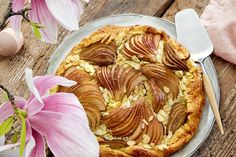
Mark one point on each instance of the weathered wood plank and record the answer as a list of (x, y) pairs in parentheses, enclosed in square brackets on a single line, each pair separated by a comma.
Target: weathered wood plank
[(216, 145)]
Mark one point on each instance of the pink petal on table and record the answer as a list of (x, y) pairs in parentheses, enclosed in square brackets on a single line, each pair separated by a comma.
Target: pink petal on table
[(16, 20), (62, 11), (7, 110), (66, 103), (30, 84), (39, 149), (66, 136), (78, 8), (39, 13)]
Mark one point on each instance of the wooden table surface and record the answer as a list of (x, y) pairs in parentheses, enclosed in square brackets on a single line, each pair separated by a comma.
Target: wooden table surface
[(36, 54)]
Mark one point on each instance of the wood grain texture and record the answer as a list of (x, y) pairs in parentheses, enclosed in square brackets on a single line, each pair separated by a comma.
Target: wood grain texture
[(36, 54), (212, 100)]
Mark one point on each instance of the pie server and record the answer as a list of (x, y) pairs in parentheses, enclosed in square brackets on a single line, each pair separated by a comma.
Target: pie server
[(192, 34)]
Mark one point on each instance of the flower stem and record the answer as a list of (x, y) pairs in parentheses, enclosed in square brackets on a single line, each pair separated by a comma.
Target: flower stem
[(9, 95), (10, 12)]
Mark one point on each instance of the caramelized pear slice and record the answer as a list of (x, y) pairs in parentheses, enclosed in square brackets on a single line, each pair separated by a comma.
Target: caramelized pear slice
[(177, 117), (155, 131), (100, 53), (172, 60), (142, 46), (123, 121), (93, 100), (138, 132), (163, 77), (115, 144), (116, 118), (134, 81), (119, 80), (129, 124), (93, 114), (86, 88), (159, 96), (133, 122)]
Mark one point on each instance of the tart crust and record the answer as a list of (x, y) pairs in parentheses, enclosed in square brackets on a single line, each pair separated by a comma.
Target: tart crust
[(194, 90)]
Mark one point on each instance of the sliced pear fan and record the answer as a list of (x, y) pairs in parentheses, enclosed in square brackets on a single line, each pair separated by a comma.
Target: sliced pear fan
[(177, 117), (100, 53), (130, 122), (93, 114), (142, 46), (163, 78), (172, 60), (88, 93), (119, 80), (159, 96)]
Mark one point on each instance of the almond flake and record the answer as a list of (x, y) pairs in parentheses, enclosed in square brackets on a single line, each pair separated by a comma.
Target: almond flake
[(150, 118), (166, 89), (167, 108), (131, 143), (147, 146), (135, 59), (145, 122), (108, 137), (142, 125), (160, 118), (145, 139)]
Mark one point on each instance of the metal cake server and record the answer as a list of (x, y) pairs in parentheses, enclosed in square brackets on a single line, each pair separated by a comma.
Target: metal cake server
[(192, 34)]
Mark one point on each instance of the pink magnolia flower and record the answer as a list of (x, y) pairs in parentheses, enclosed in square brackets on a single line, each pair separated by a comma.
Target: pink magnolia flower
[(48, 13), (58, 120)]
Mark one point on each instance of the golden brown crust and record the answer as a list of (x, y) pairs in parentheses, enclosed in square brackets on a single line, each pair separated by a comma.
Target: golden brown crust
[(195, 96)]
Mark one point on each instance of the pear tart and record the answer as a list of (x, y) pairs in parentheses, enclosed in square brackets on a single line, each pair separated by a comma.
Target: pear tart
[(141, 91)]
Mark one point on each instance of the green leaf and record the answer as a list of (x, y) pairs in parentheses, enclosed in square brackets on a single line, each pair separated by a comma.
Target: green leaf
[(22, 135), (15, 137), (6, 97), (5, 127), (36, 27)]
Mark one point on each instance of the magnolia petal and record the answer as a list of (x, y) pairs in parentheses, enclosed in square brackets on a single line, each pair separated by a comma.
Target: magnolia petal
[(44, 83), (39, 13), (2, 140), (20, 102), (6, 111), (39, 149), (28, 130), (16, 20), (29, 147), (66, 103), (34, 106), (30, 84), (78, 8), (8, 147), (67, 18), (66, 136)]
